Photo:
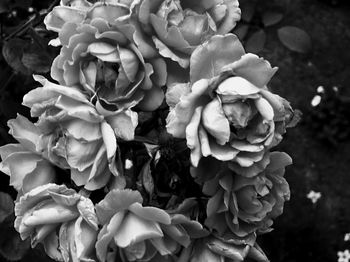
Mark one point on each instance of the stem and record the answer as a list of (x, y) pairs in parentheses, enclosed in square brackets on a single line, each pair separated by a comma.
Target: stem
[(23, 28)]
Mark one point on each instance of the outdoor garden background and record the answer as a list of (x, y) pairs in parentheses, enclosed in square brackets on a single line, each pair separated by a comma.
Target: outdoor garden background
[(314, 75)]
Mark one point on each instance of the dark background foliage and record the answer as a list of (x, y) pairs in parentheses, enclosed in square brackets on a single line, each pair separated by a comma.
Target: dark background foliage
[(308, 40)]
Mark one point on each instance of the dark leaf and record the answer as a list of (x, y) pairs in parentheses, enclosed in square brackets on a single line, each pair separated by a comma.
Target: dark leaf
[(241, 31), (295, 39), (147, 179), (248, 10), (21, 3), (39, 63), (256, 42), (4, 6), (13, 52), (271, 18), (11, 246), (6, 206)]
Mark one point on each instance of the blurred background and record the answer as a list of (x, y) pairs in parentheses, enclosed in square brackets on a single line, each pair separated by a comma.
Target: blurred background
[(309, 40)]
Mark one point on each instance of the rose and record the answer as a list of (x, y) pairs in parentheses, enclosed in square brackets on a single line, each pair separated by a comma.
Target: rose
[(23, 162), (44, 209), (77, 136), (99, 55), (223, 249), (137, 232), (216, 249), (177, 27), (244, 204), (226, 110)]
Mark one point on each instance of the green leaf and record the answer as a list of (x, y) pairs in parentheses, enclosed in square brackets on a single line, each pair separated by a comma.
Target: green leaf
[(271, 18), (6, 206), (295, 39), (256, 42)]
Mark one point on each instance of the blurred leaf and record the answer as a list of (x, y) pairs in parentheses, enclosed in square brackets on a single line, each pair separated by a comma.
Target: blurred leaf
[(248, 10), (21, 3), (6, 206), (295, 39), (256, 42), (241, 31), (4, 6), (39, 63), (13, 52), (271, 18), (11, 246)]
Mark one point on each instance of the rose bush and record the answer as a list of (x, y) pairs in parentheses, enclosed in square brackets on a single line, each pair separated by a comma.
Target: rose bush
[(245, 204), (172, 28), (100, 56), (24, 162), (138, 233), (77, 136), (226, 110), (46, 208)]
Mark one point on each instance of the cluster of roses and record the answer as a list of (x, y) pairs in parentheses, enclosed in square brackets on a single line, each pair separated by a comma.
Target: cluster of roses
[(120, 59)]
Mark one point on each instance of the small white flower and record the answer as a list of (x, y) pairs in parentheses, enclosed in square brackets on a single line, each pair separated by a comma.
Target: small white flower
[(316, 100), (128, 164), (343, 256), (314, 196), (320, 89), (347, 237)]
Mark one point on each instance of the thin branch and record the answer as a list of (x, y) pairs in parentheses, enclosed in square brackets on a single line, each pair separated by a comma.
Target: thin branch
[(38, 16)]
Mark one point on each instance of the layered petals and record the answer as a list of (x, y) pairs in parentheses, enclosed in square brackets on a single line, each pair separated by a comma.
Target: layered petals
[(226, 111), (46, 208)]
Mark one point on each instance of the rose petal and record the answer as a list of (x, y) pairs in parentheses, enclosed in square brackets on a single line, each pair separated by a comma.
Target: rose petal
[(123, 124), (264, 108), (215, 122), (24, 132), (181, 115), (255, 69), (135, 229), (207, 62), (116, 201)]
